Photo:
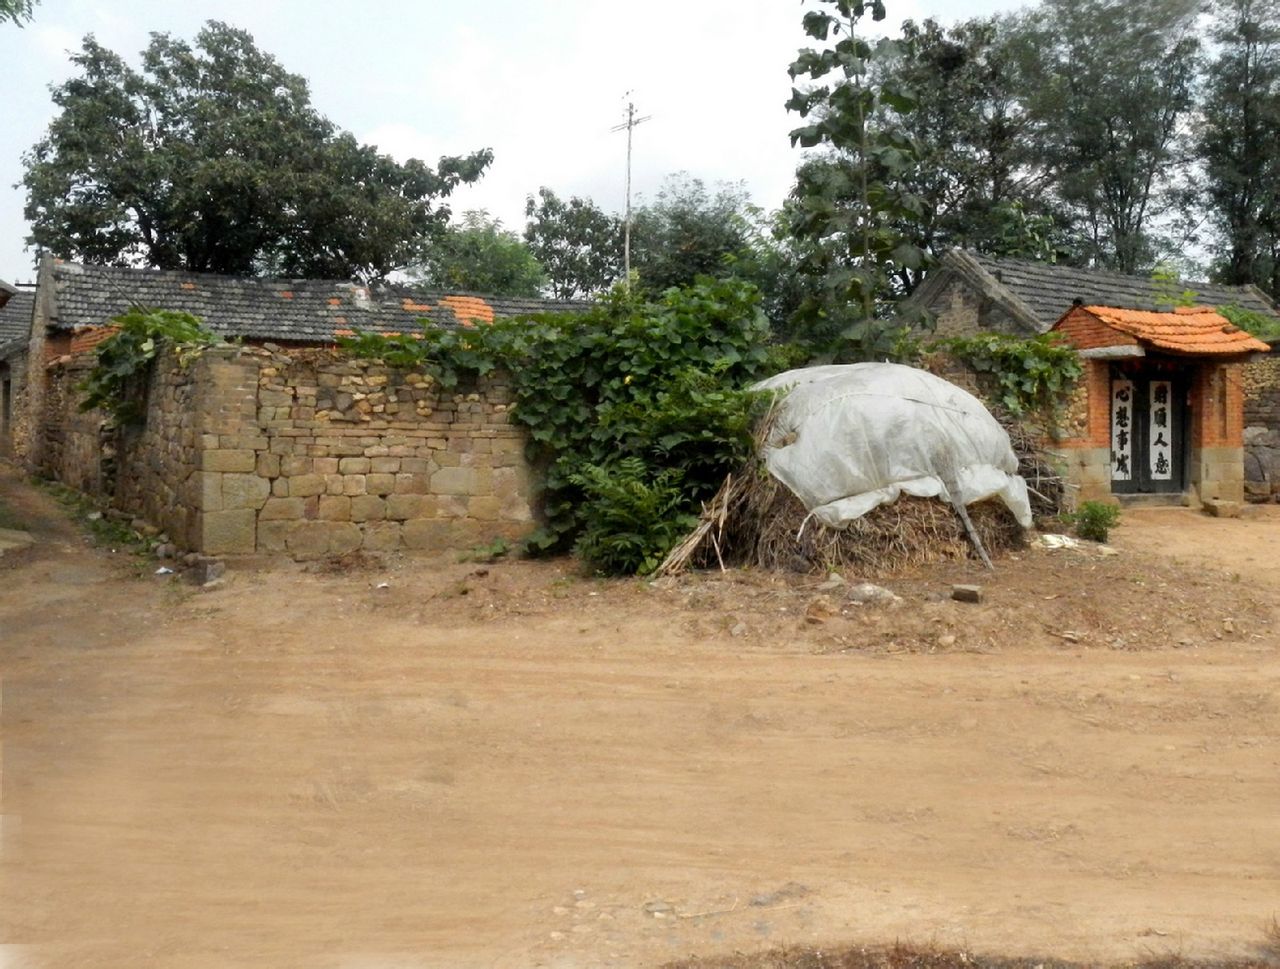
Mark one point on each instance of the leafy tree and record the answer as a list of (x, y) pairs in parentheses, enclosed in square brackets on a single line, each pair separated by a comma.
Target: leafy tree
[(211, 158), (1238, 139), (982, 182), (851, 205), (1109, 84), (16, 11), (687, 231), (480, 256), (578, 245)]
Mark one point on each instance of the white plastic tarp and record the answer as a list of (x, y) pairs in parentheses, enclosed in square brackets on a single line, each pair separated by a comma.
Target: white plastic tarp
[(847, 439)]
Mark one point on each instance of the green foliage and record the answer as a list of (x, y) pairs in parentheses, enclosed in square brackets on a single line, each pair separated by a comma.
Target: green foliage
[(1262, 326), (488, 552), (1168, 288), (123, 358), (660, 382), (578, 245), (633, 516), (1030, 375), (211, 158), (16, 11), (1093, 520), (479, 256), (853, 205)]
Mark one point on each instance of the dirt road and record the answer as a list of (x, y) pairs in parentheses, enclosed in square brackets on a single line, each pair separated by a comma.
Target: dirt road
[(509, 766)]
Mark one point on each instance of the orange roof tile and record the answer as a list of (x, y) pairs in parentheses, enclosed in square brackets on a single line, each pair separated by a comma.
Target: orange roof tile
[(1189, 330), (469, 309)]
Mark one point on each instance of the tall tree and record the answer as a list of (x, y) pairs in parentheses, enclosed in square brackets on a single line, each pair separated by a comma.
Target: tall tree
[(578, 245), (982, 183), (851, 205), (480, 256), (16, 11), (1109, 84), (211, 158), (689, 231), (1238, 140)]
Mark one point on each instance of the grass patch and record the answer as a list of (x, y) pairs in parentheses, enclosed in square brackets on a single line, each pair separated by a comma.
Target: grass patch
[(9, 518), (105, 532), (912, 957)]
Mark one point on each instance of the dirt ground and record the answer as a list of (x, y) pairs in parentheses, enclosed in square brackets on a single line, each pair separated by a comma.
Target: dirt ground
[(507, 765)]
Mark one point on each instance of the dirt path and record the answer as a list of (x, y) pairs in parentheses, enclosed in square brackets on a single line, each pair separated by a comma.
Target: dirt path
[(510, 767)]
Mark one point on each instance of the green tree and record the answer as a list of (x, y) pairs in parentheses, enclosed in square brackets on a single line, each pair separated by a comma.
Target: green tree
[(1237, 142), (1109, 84), (689, 231), (578, 245), (982, 182), (211, 158), (852, 204), (16, 11), (480, 256)]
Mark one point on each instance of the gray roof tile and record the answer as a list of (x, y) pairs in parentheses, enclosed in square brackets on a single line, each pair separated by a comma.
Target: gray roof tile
[(15, 315), (1049, 290), (287, 310)]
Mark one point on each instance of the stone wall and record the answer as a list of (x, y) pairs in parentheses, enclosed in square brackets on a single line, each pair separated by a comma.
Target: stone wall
[(1261, 382), (305, 452), (16, 430)]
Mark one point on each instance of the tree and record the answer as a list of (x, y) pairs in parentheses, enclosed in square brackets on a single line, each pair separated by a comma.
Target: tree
[(688, 232), (1109, 84), (480, 256), (1237, 142), (982, 182), (578, 245), (16, 11), (851, 205), (212, 159)]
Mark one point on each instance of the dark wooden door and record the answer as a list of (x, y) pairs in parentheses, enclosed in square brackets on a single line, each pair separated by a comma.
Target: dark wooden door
[(1148, 431)]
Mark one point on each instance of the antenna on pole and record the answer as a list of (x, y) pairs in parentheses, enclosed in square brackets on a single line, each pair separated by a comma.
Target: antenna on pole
[(629, 125)]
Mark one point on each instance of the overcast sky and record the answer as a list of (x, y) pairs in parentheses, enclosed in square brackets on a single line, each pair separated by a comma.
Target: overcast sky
[(540, 82)]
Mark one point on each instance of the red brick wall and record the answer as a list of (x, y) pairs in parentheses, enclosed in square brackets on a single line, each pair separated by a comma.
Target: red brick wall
[(1217, 406), (86, 338), (1084, 331)]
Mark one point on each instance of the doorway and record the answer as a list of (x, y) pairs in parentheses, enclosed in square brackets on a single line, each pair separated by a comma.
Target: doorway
[(1148, 432)]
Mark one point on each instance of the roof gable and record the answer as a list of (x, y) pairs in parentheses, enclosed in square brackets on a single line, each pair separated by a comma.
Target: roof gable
[(15, 315), (1186, 331), (290, 310), (1038, 293)]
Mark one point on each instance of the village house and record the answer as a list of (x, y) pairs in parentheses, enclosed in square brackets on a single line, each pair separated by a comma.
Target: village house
[(16, 307), (275, 442), (1170, 395)]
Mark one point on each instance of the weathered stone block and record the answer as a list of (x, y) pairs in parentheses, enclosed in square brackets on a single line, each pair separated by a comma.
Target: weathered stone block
[(324, 465), (244, 491), (234, 460), (485, 508), (425, 534), (309, 540), (268, 465), (277, 509), (306, 485), (402, 507), (380, 484), (344, 537), (453, 481), (354, 465), (335, 508), (412, 484), (274, 536), (384, 465), (228, 532), (353, 484), (381, 537), (368, 508), (210, 491)]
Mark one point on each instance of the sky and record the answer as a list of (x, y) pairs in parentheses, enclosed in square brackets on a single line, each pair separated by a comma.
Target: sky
[(541, 82)]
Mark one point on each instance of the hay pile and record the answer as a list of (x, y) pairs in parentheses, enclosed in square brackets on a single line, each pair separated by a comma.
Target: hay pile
[(755, 521)]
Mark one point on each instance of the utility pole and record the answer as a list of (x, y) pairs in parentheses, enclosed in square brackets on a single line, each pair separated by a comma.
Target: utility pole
[(629, 125)]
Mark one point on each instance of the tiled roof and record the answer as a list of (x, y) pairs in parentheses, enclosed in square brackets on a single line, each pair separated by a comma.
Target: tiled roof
[(1038, 293), (1190, 330), (297, 310), (15, 315)]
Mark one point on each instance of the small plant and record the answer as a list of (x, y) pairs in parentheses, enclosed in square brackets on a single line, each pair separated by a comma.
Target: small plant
[(1093, 520), (123, 357), (487, 552), (634, 516)]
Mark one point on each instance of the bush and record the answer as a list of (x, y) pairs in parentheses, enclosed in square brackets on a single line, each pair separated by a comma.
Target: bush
[(1094, 520)]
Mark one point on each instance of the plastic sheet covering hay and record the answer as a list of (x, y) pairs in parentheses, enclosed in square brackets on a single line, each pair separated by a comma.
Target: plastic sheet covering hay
[(847, 439), (889, 433)]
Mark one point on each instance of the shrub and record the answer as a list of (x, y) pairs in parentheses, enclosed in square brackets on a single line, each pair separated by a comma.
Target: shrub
[(1031, 374), (1094, 520)]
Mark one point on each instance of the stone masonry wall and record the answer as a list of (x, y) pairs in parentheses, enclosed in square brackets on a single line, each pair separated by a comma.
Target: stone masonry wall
[(343, 454), (1261, 382), (305, 452), (15, 435)]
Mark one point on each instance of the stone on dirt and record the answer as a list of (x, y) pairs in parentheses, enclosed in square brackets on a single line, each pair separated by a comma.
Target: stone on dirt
[(1221, 509), (966, 593), (869, 594)]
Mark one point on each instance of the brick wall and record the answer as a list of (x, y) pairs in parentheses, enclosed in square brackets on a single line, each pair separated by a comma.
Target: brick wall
[(1084, 331), (305, 452)]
